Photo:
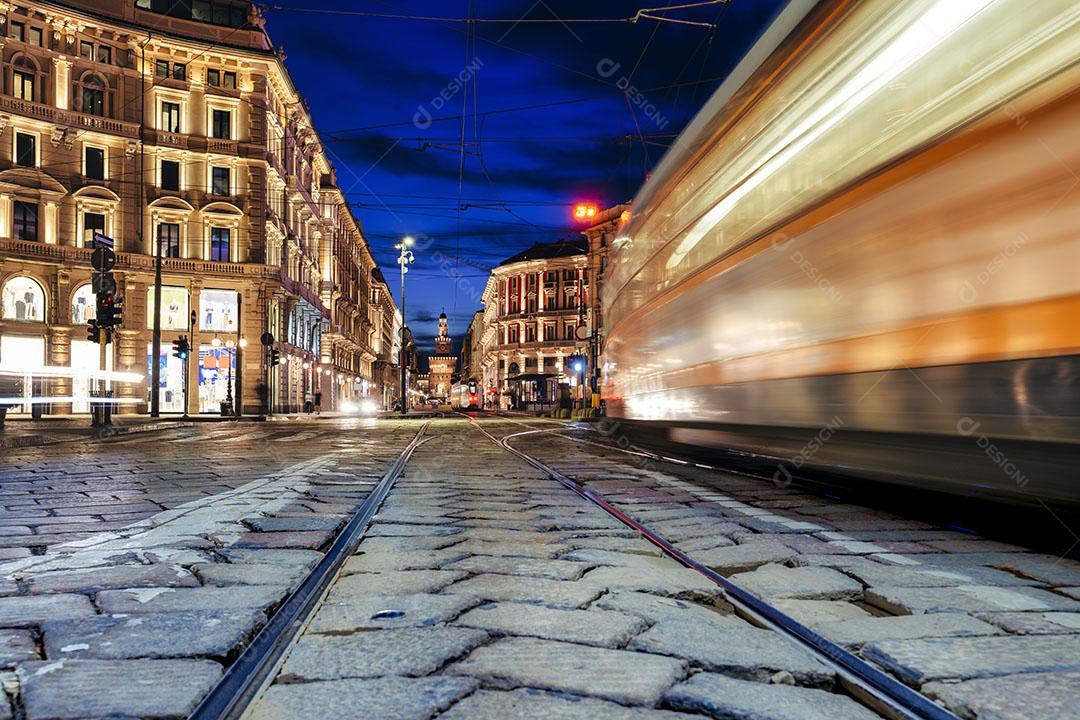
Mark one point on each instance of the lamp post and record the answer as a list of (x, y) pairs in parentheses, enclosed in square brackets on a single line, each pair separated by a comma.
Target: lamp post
[(405, 258)]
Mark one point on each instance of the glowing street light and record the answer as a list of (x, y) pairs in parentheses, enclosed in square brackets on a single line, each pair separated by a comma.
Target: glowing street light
[(405, 258)]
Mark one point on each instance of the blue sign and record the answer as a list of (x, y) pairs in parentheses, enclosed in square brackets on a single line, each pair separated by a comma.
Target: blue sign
[(102, 240)]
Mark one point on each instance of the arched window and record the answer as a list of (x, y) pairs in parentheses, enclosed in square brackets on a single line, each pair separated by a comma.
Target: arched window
[(83, 305), (24, 299), (93, 95), (27, 80)]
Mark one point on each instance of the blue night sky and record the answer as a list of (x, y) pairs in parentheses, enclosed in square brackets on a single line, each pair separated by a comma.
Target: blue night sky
[(580, 138)]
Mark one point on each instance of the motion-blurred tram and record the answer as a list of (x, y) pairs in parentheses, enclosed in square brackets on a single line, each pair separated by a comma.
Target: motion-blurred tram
[(465, 395), (863, 255)]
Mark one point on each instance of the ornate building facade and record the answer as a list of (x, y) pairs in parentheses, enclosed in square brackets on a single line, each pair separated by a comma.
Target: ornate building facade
[(536, 314), (176, 126)]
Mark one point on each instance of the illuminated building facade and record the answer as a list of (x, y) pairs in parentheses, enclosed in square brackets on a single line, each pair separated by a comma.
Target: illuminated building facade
[(176, 126)]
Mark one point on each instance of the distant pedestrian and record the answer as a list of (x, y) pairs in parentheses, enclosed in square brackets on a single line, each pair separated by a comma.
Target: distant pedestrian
[(318, 403), (309, 406)]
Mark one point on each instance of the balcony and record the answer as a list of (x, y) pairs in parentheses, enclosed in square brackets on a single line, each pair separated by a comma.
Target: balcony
[(167, 139), (48, 113), (221, 145)]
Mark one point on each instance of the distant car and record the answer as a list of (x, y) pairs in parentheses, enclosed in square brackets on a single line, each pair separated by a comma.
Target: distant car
[(365, 407)]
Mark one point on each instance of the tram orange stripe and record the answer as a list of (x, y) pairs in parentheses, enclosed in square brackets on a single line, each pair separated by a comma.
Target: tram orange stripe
[(1040, 329)]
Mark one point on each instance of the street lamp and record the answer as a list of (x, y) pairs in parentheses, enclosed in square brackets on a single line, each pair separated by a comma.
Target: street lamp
[(405, 258)]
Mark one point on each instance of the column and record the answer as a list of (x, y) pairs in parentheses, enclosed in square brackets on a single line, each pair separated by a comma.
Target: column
[(62, 82), (58, 353)]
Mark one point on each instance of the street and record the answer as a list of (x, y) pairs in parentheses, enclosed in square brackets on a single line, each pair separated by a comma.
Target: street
[(138, 569)]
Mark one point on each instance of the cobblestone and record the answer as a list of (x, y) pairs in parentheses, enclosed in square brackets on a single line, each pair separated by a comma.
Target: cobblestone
[(394, 582), (530, 567), (30, 610), (801, 583), (590, 627), (968, 598), (654, 608), (206, 633), (905, 627), (749, 653), (399, 651), (56, 690), (618, 675), (387, 611), (16, 646), (528, 704), (387, 698), (920, 661), (553, 593), (152, 600), (1030, 696), (724, 697)]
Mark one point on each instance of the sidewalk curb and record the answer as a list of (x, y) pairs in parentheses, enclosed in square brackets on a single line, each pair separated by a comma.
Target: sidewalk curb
[(41, 440)]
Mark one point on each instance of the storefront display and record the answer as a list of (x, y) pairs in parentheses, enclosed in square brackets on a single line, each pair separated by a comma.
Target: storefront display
[(171, 397), (214, 376), (22, 354), (23, 299), (218, 310), (174, 308)]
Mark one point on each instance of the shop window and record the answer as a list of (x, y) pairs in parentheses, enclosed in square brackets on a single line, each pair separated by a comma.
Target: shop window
[(170, 174), (221, 124), (23, 299), (24, 220), (219, 244), (218, 310), (219, 181), (25, 149), (168, 236), (94, 163), (174, 308), (92, 222), (170, 117), (83, 305)]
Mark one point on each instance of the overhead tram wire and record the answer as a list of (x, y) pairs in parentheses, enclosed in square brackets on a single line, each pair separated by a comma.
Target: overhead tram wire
[(642, 14)]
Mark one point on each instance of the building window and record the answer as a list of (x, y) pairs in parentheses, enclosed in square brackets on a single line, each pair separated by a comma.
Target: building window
[(228, 80), (86, 50), (219, 310), (94, 167), (92, 222), (219, 181), (83, 305), (221, 78), (219, 244), (222, 124), (179, 71), (93, 96), (213, 77), (170, 116), (170, 175), (17, 31), (568, 331), (169, 239), (530, 333), (36, 36), (161, 68), (104, 54), (24, 299), (24, 220), (22, 85), (25, 149), (174, 308)]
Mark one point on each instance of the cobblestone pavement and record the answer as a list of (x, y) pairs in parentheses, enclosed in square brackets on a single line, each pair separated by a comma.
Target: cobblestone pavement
[(990, 630), (131, 570), (485, 590)]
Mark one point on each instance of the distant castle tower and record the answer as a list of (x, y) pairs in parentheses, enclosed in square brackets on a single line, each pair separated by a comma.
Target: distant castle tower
[(441, 365), (442, 340)]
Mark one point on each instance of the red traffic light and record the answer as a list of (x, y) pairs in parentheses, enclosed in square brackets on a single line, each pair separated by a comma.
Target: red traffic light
[(585, 211)]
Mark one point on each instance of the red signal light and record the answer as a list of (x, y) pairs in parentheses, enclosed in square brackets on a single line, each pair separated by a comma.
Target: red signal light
[(584, 211)]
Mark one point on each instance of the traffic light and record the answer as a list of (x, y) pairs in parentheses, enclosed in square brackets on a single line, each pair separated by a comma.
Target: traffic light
[(93, 332), (275, 357), (181, 347)]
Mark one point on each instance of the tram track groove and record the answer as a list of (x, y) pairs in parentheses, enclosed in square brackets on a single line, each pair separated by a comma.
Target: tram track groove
[(257, 665), (872, 687)]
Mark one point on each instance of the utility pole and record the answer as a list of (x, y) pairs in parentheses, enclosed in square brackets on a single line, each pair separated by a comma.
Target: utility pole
[(155, 342), (405, 257)]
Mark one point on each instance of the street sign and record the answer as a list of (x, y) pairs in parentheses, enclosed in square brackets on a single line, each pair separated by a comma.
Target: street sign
[(102, 240), (103, 283), (103, 259), (582, 332), (266, 339)]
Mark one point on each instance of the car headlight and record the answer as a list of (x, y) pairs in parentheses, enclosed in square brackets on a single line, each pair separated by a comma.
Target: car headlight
[(349, 407), (369, 407)]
